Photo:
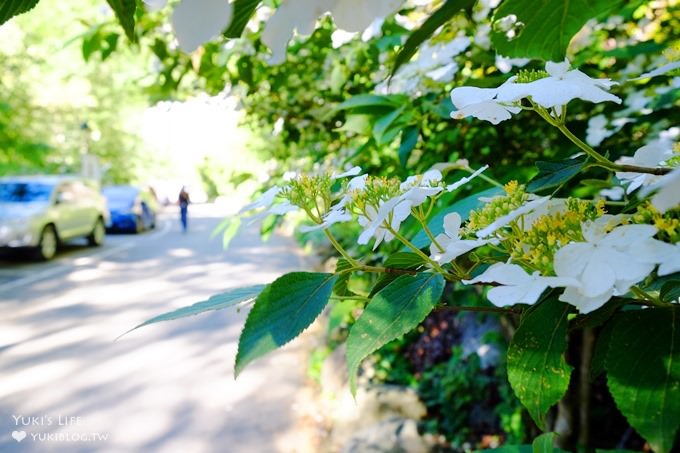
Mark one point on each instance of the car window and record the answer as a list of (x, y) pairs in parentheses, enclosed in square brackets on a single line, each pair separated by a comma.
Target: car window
[(22, 192)]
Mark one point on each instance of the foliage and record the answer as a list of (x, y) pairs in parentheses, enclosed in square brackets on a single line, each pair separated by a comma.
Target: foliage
[(587, 244)]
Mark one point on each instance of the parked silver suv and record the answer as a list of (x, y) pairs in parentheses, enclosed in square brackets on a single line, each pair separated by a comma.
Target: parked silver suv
[(39, 212)]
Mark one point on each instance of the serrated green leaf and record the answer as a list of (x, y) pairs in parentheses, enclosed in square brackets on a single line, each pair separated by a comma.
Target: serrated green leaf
[(340, 287), (437, 19), (643, 373), (11, 8), (548, 25), (125, 12), (281, 312), (553, 174), (409, 140), (462, 207), (670, 291), (220, 301), (400, 260), (242, 12), (537, 370), (394, 311)]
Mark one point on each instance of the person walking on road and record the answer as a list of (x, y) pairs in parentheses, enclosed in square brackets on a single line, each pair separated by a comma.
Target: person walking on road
[(184, 208)]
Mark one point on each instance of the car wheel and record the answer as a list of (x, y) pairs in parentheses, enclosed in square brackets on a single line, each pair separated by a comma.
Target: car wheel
[(47, 247), (96, 238)]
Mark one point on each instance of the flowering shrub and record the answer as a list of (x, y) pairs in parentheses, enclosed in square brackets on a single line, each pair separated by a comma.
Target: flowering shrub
[(590, 244)]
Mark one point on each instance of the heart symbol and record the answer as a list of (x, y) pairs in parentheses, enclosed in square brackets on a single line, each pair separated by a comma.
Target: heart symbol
[(18, 435)]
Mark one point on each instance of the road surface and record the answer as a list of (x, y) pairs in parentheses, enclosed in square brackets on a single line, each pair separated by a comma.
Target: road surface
[(66, 385)]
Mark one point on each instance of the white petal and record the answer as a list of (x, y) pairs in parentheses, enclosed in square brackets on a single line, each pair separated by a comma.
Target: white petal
[(581, 302), (503, 273), (571, 260), (351, 172), (504, 296), (452, 222), (511, 216), (465, 96), (659, 71), (624, 236), (198, 21), (465, 180), (264, 201)]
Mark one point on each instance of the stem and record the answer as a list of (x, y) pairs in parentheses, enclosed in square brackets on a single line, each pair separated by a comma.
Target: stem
[(385, 270), (340, 249), (420, 217), (653, 301), (417, 251), (599, 158)]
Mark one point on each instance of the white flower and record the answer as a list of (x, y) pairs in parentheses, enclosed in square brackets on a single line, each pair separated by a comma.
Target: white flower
[(668, 195), (466, 179), (597, 130), (653, 154), (667, 256), (518, 287), (480, 103), (659, 71), (615, 193), (198, 21), (391, 213), (559, 88), (374, 223), (605, 264), (453, 246), (300, 16), (351, 172), (264, 201), (333, 216), (511, 216), (505, 64)]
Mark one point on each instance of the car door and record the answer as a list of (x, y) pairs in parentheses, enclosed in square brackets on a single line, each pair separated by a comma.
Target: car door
[(65, 210), (85, 212)]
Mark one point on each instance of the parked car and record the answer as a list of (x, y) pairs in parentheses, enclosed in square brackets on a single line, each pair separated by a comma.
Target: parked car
[(132, 208), (40, 212)]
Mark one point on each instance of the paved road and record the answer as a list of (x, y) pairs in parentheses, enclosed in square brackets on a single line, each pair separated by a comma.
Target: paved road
[(70, 387)]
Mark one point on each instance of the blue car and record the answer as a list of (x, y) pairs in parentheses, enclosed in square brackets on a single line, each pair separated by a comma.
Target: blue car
[(132, 208)]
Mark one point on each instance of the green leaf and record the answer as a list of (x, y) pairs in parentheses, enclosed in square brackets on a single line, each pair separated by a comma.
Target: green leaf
[(340, 287), (643, 373), (394, 311), (548, 25), (371, 100), (242, 12), (11, 8), (553, 174), (544, 443), (537, 370), (400, 260), (125, 12), (384, 124), (670, 291), (437, 19), (281, 312), (409, 140), (462, 207), (217, 302)]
